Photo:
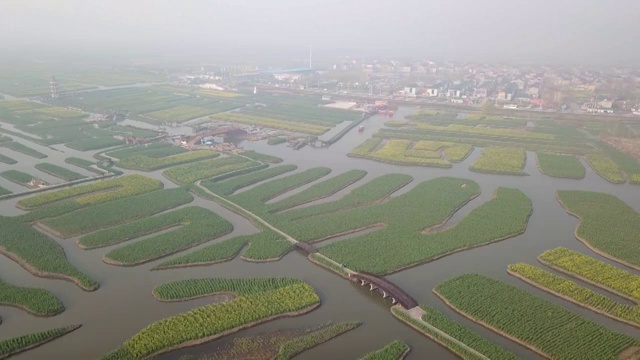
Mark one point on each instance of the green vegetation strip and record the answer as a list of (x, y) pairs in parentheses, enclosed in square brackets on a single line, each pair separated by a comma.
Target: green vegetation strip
[(23, 343), (15, 146), (323, 261), (117, 212), (575, 293), (606, 168), (4, 191), (560, 166), (607, 224), (264, 246), (39, 302), (397, 152), (153, 150), (148, 163), (501, 160), (294, 347), (7, 160), (97, 192), (544, 327), (393, 351), (596, 272), (189, 173), (85, 164), (254, 198), (437, 323), (17, 177), (319, 191), (400, 244), (38, 253), (198, 226), (233, 184), (627, 163), (258, 300), (262, 157), (369, 193), (94, 143), (59, 171)]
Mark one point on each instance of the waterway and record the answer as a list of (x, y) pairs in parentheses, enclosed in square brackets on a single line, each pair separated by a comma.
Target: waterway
[(124, 304)]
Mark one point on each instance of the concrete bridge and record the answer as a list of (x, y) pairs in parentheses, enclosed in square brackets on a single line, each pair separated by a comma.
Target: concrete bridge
[(386, 288)]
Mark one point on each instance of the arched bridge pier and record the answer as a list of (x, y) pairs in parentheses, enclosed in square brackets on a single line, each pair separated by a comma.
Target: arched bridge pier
[(386, 288)]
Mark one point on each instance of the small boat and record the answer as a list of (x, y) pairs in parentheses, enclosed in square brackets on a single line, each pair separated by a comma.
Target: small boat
[(361, 128)]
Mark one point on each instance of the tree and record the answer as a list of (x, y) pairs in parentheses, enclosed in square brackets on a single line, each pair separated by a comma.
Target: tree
[(488, 107)]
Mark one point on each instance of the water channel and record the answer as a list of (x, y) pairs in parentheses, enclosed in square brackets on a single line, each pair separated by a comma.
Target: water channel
[(124, 304)]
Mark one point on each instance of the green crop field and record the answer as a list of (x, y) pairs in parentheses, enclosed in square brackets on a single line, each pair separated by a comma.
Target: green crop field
[(180, 113), (147, 163), (153, 150), (561, 166), (264, 246), (319, 191), (438, 320), (502, 161), (258, 299), (41, 255), (577, 294), (195, 226), (7, 160), (10, 347), (366, 194), (596, 272), (94, 143), (4, 191), (393, 351), (16, 146), (294, 347), (189, 173), (85, 164), (261, 157), (17, 177), (400, 244), (59, 171), (626, 163), (396, 152), (274, 123), (606, 168), (557, 333), (36, 301), (117, 212), (95, 193), (606, 223), (231, 185), (255, 197)]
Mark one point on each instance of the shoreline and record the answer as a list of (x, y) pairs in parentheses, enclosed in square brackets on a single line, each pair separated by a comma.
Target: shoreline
[(43, 274), (207, 339), (571, 300), (486, 325), (590, 246)]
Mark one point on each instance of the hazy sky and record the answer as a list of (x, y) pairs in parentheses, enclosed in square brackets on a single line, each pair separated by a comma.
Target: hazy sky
[(580, 31)]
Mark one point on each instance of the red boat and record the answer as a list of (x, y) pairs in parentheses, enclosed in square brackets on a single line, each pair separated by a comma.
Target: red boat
[(361, 128)]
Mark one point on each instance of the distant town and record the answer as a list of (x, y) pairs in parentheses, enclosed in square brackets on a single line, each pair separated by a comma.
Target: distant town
[(565, 89)]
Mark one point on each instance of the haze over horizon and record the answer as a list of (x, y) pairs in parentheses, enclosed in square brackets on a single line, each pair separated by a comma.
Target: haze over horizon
[(567, 32)]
